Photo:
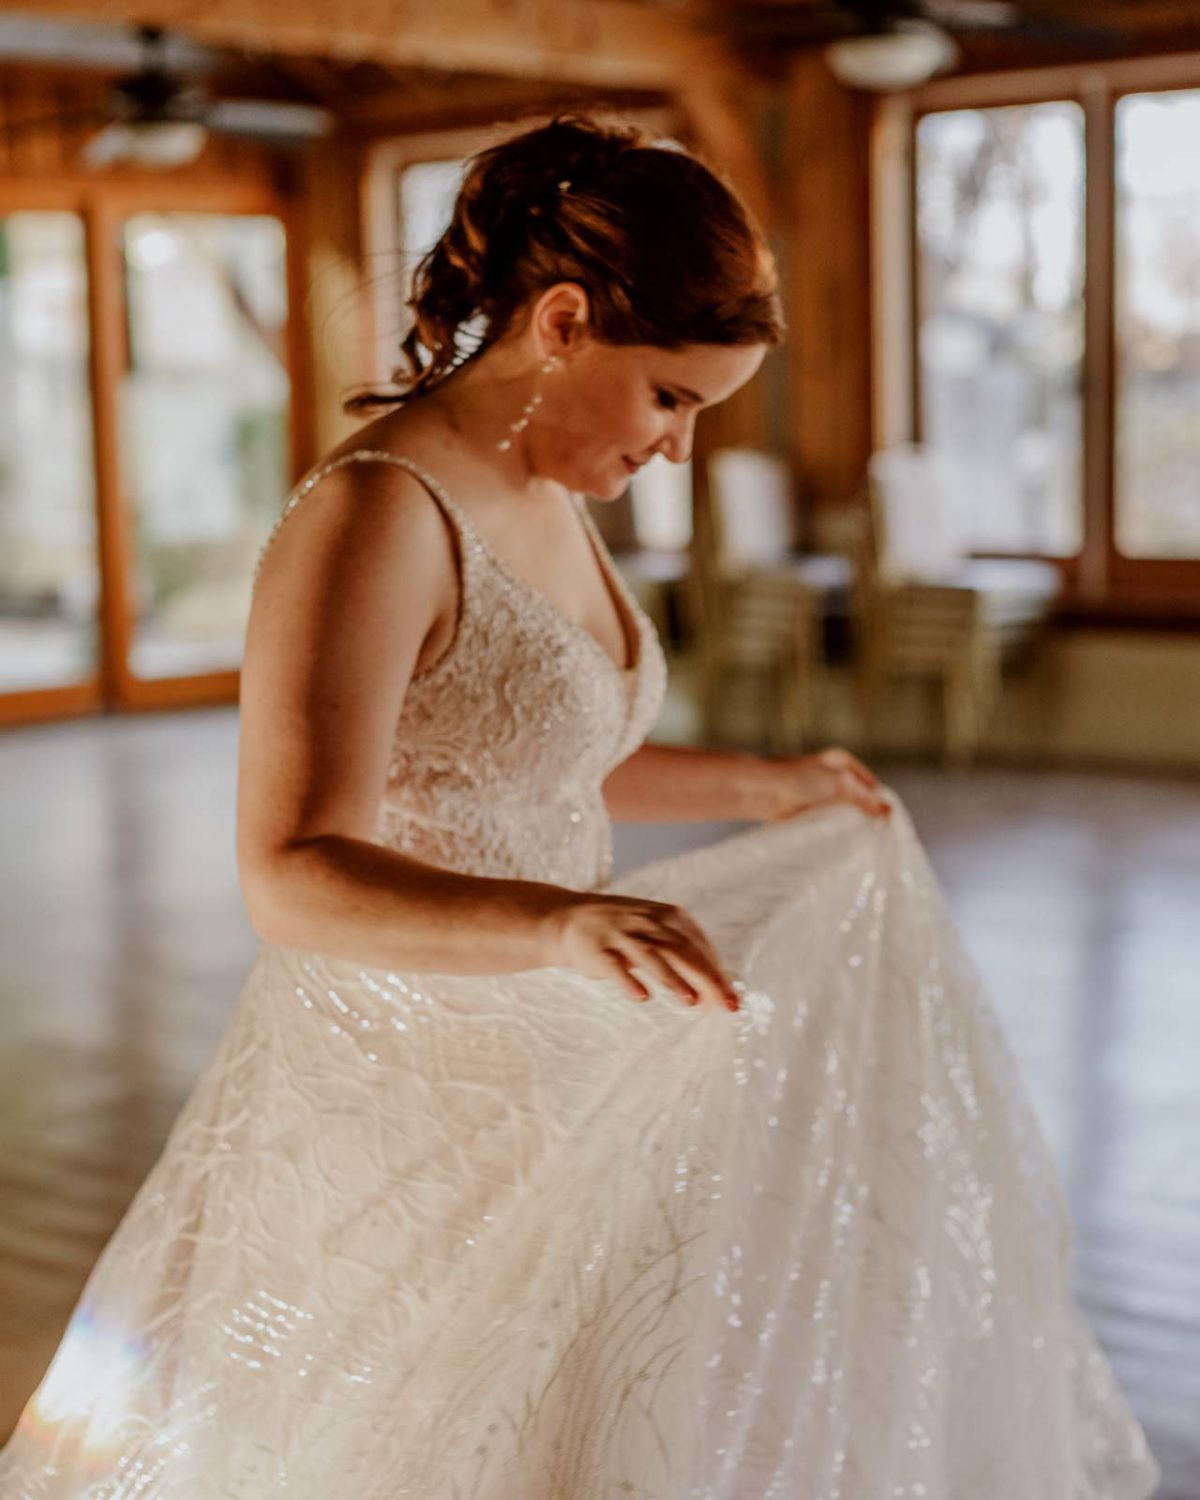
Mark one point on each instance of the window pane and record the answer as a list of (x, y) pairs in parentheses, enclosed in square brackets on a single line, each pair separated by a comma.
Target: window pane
[(1158, 325), (426, 191), (661, 494), (49, 582), (1000, 318), (204, 414)]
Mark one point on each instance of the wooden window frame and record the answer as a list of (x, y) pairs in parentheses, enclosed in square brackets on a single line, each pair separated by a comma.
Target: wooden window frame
[(1101, 584), (103, 204)]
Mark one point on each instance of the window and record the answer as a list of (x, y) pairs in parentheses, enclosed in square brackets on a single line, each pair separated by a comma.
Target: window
[(205, 404), (1000, 234), (1055, 317), (1158, 325), (49, 579)]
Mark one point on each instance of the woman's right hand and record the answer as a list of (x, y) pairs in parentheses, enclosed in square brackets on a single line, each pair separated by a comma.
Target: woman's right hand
[(613, 937)]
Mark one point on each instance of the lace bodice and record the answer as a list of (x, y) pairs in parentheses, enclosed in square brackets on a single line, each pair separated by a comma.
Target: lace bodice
[(502, 744)]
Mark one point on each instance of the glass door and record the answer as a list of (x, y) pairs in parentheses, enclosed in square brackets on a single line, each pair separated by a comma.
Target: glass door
[(148, 436), (204, 438), (49, 570)]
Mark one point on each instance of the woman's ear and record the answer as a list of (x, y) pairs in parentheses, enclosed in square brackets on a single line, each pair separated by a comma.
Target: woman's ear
[(561, 318)]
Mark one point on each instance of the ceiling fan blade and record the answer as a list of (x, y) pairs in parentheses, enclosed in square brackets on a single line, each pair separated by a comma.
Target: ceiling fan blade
[(166, 144), (973, 13), (268, 119), (89, 45), (1027, 23), (762, 20)]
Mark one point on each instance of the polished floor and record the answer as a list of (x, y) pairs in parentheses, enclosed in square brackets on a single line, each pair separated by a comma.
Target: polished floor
[(123, 945)]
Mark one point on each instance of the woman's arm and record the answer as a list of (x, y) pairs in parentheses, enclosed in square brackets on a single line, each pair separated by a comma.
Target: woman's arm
[(355, 584), (676, 783), (681, 783), (348, 593)]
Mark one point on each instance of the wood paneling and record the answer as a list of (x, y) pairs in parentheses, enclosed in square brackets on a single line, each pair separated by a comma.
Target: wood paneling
[(335, 314), (827, 287), (617, 42)]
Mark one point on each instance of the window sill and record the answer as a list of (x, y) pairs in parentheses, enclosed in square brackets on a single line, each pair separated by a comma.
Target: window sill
[(1165, 616)]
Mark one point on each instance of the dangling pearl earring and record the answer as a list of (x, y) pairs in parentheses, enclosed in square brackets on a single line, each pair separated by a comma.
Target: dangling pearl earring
[(529, 408)]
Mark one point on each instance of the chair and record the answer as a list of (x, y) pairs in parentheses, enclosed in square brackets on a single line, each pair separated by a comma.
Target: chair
[(767, 640), (757, 603), (652, 548), (923, 537), (754, 511), (923, 608)]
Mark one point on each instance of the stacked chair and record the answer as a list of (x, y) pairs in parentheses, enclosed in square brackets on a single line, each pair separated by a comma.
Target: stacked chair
[(757, 601), (923, 608)]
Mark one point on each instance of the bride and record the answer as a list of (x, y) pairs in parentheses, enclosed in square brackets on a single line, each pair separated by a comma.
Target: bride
[(508, 1182)]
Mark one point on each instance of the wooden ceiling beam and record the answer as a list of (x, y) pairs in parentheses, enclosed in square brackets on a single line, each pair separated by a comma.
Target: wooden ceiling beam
[(617, 43), (1134, 15), (423, 101), (719, 110)]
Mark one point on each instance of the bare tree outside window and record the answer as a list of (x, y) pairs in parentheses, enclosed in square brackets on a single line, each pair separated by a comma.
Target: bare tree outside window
[(1000, 198), (49, 581), (1158, 325), (205, 419)]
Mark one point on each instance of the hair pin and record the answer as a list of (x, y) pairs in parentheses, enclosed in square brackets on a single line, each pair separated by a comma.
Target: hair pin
[(565, 185)]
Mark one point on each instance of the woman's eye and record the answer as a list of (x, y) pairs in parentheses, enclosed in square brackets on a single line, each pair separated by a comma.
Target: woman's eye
[(665, 398)]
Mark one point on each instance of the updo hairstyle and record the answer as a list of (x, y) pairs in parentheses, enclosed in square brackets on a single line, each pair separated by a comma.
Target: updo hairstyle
[(667, 252)]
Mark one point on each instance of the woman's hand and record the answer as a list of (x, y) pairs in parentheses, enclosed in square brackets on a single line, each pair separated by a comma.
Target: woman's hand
[(787, 785), (618, 937)]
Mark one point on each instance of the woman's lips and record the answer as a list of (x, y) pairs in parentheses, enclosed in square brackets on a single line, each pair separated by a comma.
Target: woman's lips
[(630, 465)]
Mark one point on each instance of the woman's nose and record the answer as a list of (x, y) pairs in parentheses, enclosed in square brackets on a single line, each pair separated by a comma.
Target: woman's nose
[(676, 445)]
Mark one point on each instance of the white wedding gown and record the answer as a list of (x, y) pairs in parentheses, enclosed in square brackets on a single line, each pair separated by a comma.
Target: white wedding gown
[(519, 1237)]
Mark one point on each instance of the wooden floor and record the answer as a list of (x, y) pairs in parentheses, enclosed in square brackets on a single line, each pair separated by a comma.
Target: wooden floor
[(123, 946)]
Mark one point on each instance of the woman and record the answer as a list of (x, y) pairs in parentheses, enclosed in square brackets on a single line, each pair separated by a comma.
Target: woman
[(450, 1215)]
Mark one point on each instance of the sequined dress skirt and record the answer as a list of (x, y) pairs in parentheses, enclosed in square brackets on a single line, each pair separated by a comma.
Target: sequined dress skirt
[(518, 1237)]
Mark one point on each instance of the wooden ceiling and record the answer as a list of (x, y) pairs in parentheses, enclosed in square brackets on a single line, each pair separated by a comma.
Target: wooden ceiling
[(391, 64), (992, 34)]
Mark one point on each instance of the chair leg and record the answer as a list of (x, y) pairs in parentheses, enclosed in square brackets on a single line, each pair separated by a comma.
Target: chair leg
[(960, 718), (710, 698), (797, 697)]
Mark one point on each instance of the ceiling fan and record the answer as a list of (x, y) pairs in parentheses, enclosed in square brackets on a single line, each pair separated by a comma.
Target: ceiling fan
[(154, 117), (892, 44)]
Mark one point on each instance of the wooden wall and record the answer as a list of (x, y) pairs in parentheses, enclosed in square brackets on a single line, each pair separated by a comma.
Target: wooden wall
[(825, 191)]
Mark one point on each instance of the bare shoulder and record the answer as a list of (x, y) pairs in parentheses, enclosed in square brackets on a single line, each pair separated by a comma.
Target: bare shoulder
[(363, 522)]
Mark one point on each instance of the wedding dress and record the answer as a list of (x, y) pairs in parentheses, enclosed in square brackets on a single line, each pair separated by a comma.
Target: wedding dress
[(520, 1237)]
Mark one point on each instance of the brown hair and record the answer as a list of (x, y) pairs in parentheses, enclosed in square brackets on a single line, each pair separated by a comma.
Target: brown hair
[(667, 252)]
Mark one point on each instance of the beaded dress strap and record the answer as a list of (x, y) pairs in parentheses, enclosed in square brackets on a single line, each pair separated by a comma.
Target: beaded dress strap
[(457, 519)]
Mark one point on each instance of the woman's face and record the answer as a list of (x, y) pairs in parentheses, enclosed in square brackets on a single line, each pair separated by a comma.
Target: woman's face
[(608, 409)]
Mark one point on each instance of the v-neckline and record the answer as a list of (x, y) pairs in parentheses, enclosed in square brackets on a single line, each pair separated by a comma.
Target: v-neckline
[(623, 613), (626, 618)]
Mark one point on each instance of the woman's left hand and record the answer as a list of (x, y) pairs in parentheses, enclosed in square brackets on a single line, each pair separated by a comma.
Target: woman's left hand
[(787, 785)]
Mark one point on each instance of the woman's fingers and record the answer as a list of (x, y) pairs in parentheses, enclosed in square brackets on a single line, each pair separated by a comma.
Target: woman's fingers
[(651, 961), (651, 939), (677, 920), (844, 761), (703, 974), (621, 969), (870, 799)]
